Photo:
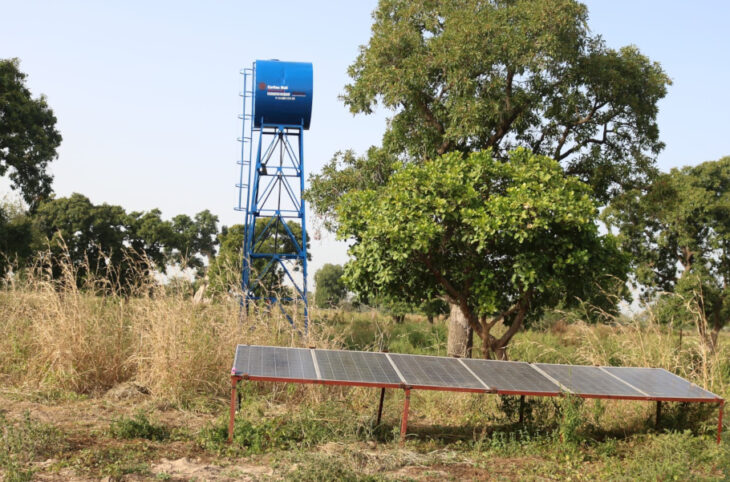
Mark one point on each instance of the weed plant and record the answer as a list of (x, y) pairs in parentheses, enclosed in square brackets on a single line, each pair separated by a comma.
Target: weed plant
[(24, 442), (138, 426)]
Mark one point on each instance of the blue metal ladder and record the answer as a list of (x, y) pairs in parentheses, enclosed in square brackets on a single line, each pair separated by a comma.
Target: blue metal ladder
[(246, 141)]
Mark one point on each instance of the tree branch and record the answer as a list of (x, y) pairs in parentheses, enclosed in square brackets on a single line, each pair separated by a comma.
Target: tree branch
[(435, 123), (514, 113), (517, 323), (502, 316), (589, 141), (587, 118)]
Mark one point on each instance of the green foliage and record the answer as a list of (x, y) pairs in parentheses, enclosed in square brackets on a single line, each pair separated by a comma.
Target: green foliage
[(347, 172), (509, 238), (309, 427), (28, 135), (224, 272), (18, 238), (122, 246), (112, 462), (392, 305), (471, 75), (138, 426), (434, 307), (330, 289), (678, 232), (671, 456), (416, 338), (24, 442), (571, 419), (192, 239)]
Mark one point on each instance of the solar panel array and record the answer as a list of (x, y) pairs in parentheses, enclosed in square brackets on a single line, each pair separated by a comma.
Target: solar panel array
[(444, 373)]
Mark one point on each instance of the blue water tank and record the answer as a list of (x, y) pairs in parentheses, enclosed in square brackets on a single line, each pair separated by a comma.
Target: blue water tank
[(282, 93)]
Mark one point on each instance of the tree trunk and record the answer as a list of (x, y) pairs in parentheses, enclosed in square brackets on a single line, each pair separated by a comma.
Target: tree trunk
[(461, 336), (497, 347)]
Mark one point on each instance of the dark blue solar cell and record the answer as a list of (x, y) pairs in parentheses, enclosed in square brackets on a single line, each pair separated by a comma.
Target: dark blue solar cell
[(588, 380), (660, 383), (274, 362), (432, 371), (511, 376), (356, 366)]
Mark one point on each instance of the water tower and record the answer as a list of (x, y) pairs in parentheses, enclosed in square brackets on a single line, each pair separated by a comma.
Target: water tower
[(277, 107)]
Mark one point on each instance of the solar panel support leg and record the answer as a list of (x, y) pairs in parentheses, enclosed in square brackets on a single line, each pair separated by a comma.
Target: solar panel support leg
[(234, 396), (380, 407), (522, 408), (658, 413), (719, 423), (404, 420)]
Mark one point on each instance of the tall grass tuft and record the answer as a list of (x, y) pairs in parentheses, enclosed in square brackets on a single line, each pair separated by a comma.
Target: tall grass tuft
[(85, 334)]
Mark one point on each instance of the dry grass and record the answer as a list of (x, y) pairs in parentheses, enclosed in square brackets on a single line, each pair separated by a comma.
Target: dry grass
[(55, 334)]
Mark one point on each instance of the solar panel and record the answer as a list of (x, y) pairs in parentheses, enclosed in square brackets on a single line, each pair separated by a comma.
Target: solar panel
[(274, 362), (660, 383), (435, 372), (588, 380), (506, 376), (356, 366)]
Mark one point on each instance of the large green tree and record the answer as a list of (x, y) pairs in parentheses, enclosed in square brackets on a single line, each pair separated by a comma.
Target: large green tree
[(28, 135), (193, 239), (473, 74), (678, 231), (330, 288), (468, 75), (500, 240)]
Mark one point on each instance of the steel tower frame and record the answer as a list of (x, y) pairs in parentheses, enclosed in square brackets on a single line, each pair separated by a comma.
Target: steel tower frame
[(272, 195)]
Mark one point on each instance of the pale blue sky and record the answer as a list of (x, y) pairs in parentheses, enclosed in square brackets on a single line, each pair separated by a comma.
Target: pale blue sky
[(146, 93)]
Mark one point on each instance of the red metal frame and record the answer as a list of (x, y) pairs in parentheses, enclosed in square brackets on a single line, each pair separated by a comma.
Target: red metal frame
[(529, 394), (313, 381)]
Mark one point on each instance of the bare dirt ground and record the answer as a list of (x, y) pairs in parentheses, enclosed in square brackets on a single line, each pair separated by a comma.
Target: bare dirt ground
[(84, 424), (91, 453)]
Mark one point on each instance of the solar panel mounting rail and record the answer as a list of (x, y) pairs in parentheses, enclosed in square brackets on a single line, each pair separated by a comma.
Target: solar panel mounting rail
[(423, 372)]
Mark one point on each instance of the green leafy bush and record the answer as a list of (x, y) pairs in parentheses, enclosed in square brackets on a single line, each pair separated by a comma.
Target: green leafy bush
[(138, 426)]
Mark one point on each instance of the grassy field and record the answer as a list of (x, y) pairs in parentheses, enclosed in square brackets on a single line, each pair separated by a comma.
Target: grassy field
[(96, 386)]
